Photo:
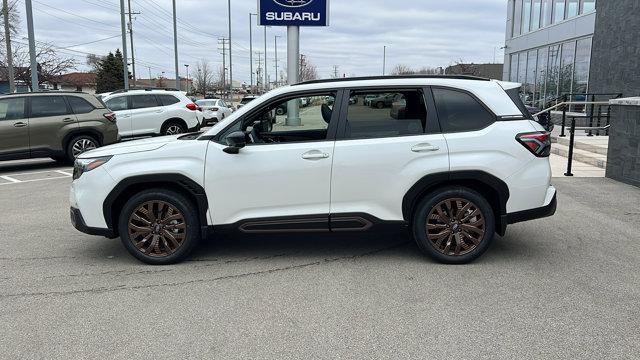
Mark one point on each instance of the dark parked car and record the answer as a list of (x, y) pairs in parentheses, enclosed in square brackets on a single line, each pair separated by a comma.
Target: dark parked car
[(383, 101), (60, 125)]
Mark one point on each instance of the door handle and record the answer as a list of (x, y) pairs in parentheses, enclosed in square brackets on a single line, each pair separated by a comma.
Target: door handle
[(123, 116), (314, 155), (68, 120), (424, 147), (19, 124), (159, 111)]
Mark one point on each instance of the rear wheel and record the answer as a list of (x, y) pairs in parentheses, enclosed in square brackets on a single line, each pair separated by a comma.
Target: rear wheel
[(159, 226), (380, 105), (173, 128), (80, 144), (279, 111), (454, 225)]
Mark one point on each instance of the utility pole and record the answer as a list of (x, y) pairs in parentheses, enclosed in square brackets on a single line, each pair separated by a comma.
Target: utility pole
[(335, 71), (125, 65), (259, 78), (251, 49), (7, 39), (276, 58), (230, 57), (223, 42), (133, 60), (187, 85), (384, 60), (175, 46), (32, 46), (149, 68), (266, 81)]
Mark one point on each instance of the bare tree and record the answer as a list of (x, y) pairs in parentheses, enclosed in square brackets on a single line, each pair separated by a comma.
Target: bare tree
[(462, 68), (50, 64), (204, 77), (14, 19), (401, 69), (93, 60), (308, 71), (160, 82)]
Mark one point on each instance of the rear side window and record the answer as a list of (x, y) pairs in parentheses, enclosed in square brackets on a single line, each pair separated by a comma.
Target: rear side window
[(12, 109), (166, 100), (117, 103), (459, 111), (143, 101), (42, 106), (79, 105), (385, 114)]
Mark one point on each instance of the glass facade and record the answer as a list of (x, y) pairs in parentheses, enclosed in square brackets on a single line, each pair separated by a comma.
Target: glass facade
[(530, 15), (552, 71)]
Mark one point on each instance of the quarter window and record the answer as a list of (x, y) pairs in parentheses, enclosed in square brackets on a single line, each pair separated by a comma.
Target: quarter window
[(42, 106), (117, 103), (12, 109), (459, 111), (385, 114), (143, 101), (79, 105), (167, 100)]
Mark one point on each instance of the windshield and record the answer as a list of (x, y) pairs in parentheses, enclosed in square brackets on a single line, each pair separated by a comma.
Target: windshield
[(246, 100)]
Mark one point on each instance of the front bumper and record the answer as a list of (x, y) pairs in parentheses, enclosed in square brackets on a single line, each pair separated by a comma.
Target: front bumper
[(78, 222)]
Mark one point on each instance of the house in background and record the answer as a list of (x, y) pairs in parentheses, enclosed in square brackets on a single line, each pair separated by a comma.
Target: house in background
[(76, 81), (490, 71)]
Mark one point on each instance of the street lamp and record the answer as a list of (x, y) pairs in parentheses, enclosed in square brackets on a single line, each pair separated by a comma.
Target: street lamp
[(187, 84), (251, 48)]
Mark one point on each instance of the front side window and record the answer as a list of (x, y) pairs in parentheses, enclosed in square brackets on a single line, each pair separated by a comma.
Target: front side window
[(143, 101), (459, 111), (385, 114), (42, 106), (288, 121), (12, 109), (117, 103), (79, 105)]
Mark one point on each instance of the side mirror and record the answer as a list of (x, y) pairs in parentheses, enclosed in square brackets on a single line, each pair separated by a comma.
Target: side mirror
[(235, 141)]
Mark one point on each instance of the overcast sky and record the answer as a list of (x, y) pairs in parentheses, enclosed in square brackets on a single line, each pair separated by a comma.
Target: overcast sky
[(417, 33)]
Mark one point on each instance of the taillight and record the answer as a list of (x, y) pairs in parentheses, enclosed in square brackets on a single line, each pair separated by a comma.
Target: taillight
[(111, 116), (214, 109), (539, 142), (192, 106)]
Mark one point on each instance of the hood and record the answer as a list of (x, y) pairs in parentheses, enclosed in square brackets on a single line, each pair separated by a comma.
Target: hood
[(133, 146)]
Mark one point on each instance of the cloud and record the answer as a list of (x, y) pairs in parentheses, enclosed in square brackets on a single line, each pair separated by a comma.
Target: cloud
[(416, 32)]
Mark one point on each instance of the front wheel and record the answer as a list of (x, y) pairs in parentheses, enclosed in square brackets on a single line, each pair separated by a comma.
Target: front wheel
[(159, 226), (454, 225), (380, 105)]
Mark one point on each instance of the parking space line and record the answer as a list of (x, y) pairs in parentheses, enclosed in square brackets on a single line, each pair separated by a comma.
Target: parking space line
[(63, 172), (10, 179), (32, 180), (31, 173)]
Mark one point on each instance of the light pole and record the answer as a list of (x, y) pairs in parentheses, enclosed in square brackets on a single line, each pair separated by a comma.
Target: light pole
[(251, 49), (266, 80), (175, 45), (186, 86), (384, 60), (275, 38), (230, 57)]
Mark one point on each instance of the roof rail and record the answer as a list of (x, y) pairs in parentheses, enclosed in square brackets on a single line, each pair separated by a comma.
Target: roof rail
[(388, 77), (142, 88), (48, 92)]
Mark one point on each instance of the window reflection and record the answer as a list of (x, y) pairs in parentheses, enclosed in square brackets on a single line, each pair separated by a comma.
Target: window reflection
[(558, 11), (535, 14), (526, 15), (572, 8), (587, 6)]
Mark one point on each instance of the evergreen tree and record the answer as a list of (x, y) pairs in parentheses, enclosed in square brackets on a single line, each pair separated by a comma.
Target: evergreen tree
[(109, 73)]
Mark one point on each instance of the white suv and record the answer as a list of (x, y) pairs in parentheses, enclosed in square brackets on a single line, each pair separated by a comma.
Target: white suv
[(456, 162), (153, 112)]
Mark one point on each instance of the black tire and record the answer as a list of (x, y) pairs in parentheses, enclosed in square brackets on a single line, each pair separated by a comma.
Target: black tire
[(79, 144), (436, 245), (189, 238), (173, 128), (380, 105), (279, 111)]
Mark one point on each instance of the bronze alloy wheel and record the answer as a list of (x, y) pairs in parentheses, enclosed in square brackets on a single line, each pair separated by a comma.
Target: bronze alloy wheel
[(455, 226), (157, 228)]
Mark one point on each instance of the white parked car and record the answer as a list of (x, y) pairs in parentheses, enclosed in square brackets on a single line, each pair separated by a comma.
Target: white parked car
[(213, 110), (460, 161), (153, 112)]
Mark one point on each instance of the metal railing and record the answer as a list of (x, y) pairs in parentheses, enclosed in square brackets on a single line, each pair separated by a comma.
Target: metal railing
[(572, 131)]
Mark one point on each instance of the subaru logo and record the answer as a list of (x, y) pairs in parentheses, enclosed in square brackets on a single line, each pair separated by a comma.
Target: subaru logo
[(293, 3)]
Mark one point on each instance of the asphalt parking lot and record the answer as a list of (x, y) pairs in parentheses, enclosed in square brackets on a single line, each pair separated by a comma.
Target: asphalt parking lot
[(562, 287)]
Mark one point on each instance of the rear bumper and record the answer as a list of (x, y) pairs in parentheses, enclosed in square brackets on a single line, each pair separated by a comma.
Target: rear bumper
[(531, 214), (79, 224)]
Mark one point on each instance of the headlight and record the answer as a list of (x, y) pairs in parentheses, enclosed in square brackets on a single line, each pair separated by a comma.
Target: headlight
[(83, 165)]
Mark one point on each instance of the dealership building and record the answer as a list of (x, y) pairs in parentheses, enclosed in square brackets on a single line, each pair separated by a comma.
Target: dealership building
[(548, 47)]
